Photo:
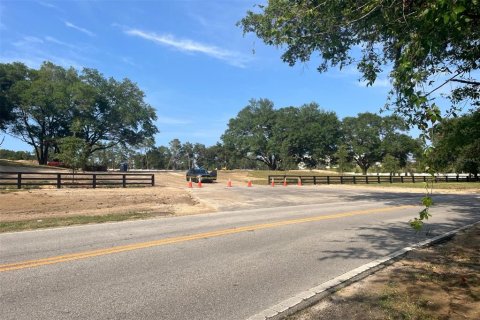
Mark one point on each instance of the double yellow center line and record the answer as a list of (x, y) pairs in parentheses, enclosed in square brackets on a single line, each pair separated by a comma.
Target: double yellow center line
[(161, 242)]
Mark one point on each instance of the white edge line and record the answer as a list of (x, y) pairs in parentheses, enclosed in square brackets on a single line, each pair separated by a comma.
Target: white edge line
[(315, 294)]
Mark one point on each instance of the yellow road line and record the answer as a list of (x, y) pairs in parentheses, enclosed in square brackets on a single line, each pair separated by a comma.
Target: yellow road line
[(161, 242)]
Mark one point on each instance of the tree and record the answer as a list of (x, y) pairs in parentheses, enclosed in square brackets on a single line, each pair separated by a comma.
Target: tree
[(188, 154), (425, 44), (159, 157), (51, 103), (283, 138), (369, 137), (251, 133), (307, 134), (343, 159), (10, 74), (200, 155), (109, 112), (175, 149), (362, 135), (73, 152), (40, 102), (215, 157), (456, 144), (16, 155), (390, 164)]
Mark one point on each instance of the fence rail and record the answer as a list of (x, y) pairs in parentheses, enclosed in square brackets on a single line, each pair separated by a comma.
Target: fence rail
[(59, 180), (368, 179)]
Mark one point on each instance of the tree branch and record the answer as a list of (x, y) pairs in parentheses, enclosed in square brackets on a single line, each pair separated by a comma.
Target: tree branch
[(474, 83)]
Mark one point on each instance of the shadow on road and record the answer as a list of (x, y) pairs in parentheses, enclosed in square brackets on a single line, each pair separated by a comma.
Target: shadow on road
[(462, 210)]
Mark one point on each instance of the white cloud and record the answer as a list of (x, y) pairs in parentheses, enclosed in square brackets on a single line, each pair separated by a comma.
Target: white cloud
[(28, 41), (59, 42), (186, 45), (87, 32), (46, 4)]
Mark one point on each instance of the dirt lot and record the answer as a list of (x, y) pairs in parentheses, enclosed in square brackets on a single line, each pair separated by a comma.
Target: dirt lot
[(169, 196), (438, 282)]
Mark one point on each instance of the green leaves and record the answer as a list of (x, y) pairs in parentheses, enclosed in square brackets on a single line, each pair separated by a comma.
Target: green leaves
[(427, 202), (428, 44), (282, 138), (52, 103), (416, 224)]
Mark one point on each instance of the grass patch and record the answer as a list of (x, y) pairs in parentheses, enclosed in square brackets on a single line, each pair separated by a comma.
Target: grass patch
[(263, 174), (436, 185), (10, 226), (398, 304)]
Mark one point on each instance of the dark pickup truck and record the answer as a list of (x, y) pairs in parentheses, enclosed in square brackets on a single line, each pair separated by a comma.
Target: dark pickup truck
[(204, 175)]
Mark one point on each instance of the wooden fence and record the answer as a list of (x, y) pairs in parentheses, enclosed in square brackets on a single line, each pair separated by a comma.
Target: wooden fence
[(367, 179), (59, 180)]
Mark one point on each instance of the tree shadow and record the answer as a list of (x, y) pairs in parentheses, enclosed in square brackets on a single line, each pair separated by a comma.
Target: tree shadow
[(374, 241)]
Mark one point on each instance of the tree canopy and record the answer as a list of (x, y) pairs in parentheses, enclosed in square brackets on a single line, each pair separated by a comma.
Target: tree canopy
[(283, 138), (52, 103), (425, 45), (457, 145), (370, 138)]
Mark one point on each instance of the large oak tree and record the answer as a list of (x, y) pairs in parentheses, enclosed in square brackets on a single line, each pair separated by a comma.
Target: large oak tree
[(51, 103)]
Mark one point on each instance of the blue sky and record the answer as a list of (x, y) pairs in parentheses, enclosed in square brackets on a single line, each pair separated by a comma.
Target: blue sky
[(194, 64)]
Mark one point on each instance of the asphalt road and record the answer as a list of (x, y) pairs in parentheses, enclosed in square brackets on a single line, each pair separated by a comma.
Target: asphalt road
[(225, 265)]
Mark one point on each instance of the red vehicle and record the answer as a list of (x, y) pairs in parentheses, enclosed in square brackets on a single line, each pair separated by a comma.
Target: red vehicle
[(55, 163)]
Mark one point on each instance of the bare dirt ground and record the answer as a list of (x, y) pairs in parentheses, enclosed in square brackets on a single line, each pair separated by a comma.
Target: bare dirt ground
[(169, 196), (438, 282)]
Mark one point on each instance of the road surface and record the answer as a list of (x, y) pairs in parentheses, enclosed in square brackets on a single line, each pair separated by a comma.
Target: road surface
[(225, 265)]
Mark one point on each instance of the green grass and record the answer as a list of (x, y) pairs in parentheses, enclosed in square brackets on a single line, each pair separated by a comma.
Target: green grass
[(437, 185), (10, 226), (263, 174)]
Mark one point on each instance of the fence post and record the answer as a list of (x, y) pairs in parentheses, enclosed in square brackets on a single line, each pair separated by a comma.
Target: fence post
[(153, 180), (391, 178), (314, 180), (328, 179), (341, 179), (457, 177), (94, 181), (413, 177), (378, 179), (19, 181), (124, 180), (366, 179), (59, 180), (401, 179), (424, 179), (354, 180), (468, 178)]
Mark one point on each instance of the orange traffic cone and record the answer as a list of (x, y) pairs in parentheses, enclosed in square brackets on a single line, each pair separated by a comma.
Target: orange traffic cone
[(199, 182), (249, 184), (229, 183), (285, 182), (190, 184), (273, 182), (299, 182)]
